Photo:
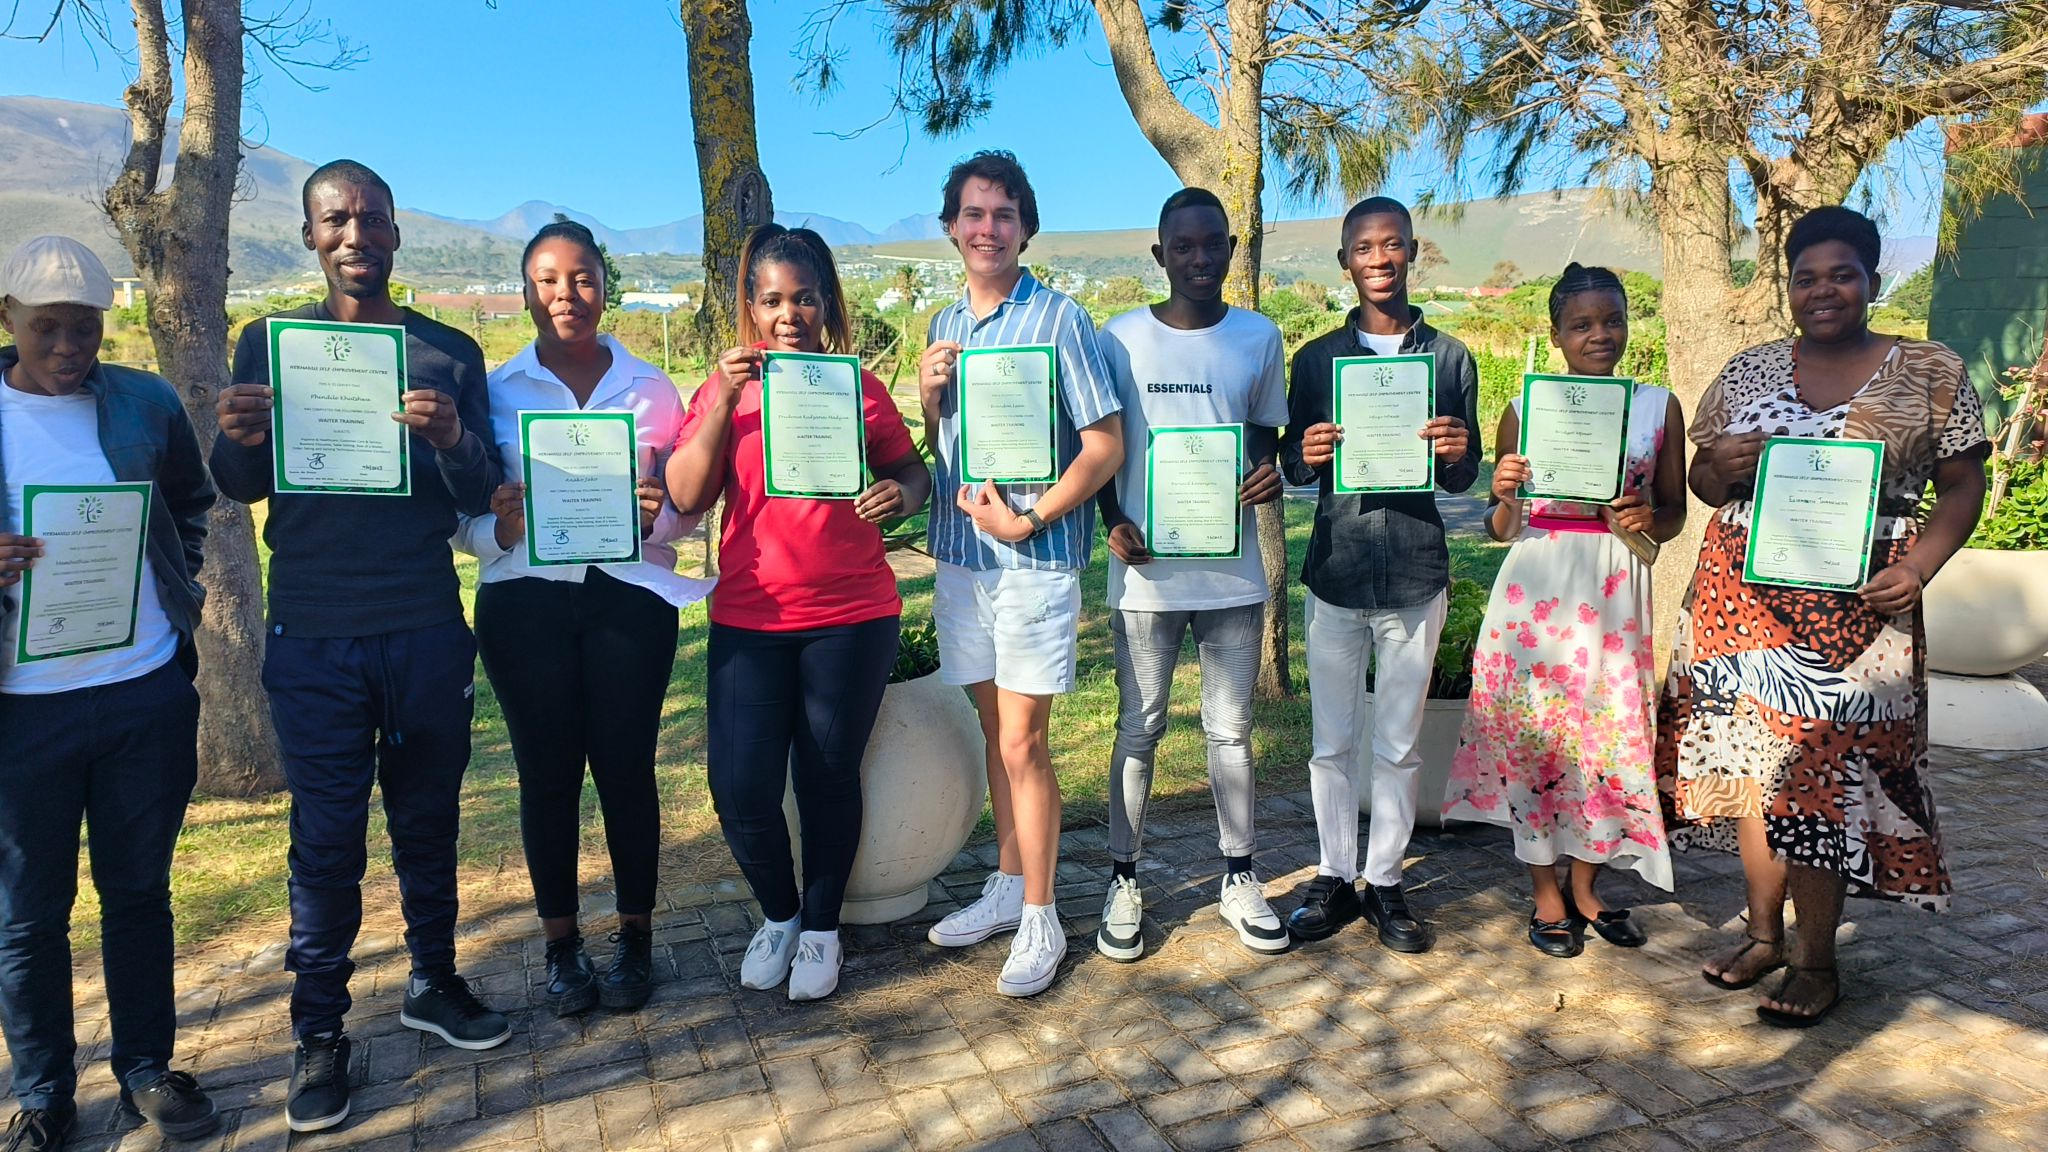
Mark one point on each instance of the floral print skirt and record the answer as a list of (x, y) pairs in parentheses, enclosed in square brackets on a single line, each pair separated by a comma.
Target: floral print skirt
[(1558, 741), (1808, 709)]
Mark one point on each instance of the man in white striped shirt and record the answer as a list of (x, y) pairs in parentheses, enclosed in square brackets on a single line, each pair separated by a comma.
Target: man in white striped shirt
[(1008, 594)]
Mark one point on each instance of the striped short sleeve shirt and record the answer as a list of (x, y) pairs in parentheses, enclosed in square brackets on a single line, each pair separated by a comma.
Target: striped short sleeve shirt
[(1033, 314)]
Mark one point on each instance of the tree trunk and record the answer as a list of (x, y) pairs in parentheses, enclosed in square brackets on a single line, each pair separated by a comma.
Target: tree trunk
[(735, 190), (178, 240)]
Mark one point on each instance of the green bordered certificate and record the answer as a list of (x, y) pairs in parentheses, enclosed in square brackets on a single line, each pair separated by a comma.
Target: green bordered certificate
[(1192, 473), (582, 503), (81, 596), (1814, 516), (813, 438), (1575, 434), (337, 387), (1382, 402), (1006, 414)]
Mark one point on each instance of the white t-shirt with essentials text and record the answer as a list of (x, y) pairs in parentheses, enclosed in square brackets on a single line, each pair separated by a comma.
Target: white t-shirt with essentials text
[(56, 440), (1234, 372)]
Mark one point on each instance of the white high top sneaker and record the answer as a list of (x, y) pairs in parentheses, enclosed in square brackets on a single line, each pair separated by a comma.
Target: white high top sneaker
[(1035, 954), (998, 910)]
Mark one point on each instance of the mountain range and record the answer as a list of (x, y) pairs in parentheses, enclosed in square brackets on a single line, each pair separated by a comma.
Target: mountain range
[(56, 156)]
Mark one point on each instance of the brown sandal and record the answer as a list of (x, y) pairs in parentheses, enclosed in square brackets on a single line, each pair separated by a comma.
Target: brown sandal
[(1752, 941)]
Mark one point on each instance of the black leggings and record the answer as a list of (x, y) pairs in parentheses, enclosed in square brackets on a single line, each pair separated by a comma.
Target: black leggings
[(816, 693), (581, 671)]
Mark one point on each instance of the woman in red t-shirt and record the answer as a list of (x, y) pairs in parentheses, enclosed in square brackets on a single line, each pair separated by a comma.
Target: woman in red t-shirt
[(804, 618)]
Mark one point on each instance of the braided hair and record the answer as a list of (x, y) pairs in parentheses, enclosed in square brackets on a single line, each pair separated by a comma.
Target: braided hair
[(1578, 278), (800, 248)]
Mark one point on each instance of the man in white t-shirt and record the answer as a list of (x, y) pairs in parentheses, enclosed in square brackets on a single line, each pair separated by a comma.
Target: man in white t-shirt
[(1190, 363), (102, 489)]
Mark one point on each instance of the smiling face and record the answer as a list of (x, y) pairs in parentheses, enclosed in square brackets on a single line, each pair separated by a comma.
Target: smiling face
[(352, 228), (1592, 332), (58, 344), (1830, 292), (564, 290), (989, 231), (788, 308), (1377, 250), (1195, 246)]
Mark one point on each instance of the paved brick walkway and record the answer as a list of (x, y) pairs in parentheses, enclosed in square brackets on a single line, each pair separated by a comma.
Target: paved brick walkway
[(1481, 1044)]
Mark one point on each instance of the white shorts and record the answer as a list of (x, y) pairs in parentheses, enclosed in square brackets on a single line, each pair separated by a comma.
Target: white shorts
[(1014, 626)]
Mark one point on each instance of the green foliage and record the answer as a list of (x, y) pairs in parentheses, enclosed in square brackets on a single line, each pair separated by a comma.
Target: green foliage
[(1500, 380), (2020, 522), (1645, 295), (1908, 304), (1451, 679), (1743, 271), (917, 653)]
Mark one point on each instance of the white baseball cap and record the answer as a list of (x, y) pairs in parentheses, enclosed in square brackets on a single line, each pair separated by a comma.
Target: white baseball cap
[(56, 270)]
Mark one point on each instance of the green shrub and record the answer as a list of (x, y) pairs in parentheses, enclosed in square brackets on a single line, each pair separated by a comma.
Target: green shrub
[(2021, 522), (917, 653)]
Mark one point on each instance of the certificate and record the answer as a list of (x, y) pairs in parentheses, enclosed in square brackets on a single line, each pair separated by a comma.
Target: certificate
[(1192, 475), (582, 499), (337, 386), (1382, 402), (82, 593), (813, 439), (1575, 434), (1006, 414), (1815, 513)]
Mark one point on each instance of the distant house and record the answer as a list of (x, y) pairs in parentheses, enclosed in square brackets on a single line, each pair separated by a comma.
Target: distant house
[(448, 306), (1991, 293), (653, 301), (1489, 292)]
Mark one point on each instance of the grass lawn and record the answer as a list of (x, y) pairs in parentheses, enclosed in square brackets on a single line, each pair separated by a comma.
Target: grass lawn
[(230, 868)]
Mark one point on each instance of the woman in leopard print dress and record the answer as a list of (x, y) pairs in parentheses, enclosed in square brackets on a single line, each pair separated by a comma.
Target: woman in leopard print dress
[(1793, 726)]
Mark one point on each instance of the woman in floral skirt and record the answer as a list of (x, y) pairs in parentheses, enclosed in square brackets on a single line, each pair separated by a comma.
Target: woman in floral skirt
[(1558, 741)]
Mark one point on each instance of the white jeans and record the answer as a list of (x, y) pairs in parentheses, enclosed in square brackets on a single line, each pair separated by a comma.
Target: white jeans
[(1400, 644)]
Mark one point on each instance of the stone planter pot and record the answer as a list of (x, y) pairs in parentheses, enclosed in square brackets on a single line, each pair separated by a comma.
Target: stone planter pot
[(922, 786), (1442, 723), (1987, 612)]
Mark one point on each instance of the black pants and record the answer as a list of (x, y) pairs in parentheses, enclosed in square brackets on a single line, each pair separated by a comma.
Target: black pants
[(814, 692), (122, 758), (581, 671), (351, 711)]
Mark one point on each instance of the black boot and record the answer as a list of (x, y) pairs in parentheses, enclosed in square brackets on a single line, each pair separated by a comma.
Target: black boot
[(572, 978), (630, 979)]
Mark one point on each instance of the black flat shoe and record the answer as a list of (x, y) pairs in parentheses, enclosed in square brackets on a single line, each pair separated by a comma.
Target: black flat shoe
[(572, 979), (1614, 927), (1779, 1018), (1559, 938), (1750, 942), (1400, 929), (1327, 906)]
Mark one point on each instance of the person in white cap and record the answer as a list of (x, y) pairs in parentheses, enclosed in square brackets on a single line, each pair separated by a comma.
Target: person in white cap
[(106, 732)]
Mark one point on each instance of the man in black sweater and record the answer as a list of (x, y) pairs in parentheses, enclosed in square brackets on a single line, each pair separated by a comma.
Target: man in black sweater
[(370, 663)]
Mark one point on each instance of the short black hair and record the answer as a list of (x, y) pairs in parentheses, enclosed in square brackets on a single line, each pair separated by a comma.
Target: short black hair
[(1191, 198), (1001, 169), (1378, 206), (1578, 278), (343, 172), (1835, 222), (563, 228)]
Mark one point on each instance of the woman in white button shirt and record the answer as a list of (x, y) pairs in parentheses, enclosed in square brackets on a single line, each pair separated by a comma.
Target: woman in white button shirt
[(580, 655)]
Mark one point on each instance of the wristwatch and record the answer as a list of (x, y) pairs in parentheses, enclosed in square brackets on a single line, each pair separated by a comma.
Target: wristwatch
[(1037, 523)]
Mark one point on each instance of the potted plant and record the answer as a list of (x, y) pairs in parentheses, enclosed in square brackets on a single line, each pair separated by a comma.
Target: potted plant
[(1450, 686), (1987, 614), (922, 786)]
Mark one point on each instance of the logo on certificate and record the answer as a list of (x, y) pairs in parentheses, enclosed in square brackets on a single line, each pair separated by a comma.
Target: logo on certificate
[(1819, 460), (90, 510), (1192, 446), (813, 375), (579, 434), (1575, 395), (1007, 366), (338, 348)]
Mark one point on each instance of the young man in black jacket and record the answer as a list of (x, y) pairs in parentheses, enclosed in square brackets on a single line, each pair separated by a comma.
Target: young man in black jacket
[(1378, 572), (370, 663)]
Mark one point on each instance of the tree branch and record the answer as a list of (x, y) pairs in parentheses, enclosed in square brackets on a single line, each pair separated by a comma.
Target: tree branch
[(1179, 135), (149, 106)]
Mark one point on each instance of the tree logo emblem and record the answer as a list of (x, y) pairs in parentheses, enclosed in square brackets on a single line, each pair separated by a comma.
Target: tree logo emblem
[(1819, 460), (337, 348), (1575, 395), (91, 509), (579, 434), (814, 375), (1007, 367), (1192, 446), (1383, 377)]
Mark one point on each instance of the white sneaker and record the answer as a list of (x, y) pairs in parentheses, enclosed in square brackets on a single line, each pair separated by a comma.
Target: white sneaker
[(1244, 908), (815, 972), (1035, 953), (998, 910), (767, 961), (1121, 937)]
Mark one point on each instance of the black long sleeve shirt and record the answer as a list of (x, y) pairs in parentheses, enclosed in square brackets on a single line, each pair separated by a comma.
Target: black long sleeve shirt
[(1371, 551), (366, 565)]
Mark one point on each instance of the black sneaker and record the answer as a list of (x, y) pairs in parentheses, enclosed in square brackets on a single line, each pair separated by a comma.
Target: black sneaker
[(1400, 929), (444, 1005), (572, 979), (174, 1103), (318, 1098), (39, 1130), (1328, 905), (630, 979)]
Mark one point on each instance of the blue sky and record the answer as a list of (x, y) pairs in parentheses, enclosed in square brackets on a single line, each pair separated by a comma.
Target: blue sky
[(470, 110)]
